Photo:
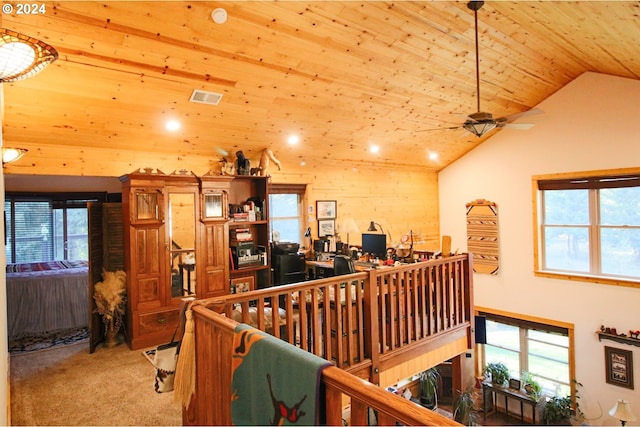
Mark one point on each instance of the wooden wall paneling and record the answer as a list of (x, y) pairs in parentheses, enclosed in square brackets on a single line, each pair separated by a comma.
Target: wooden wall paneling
[(399, 201), (338, 73)]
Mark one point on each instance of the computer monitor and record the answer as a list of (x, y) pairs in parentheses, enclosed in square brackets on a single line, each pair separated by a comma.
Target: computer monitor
[(375, 244)]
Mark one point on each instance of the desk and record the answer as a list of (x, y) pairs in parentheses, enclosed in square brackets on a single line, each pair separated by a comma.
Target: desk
[(323, 269), (491, 390), (319, 269)]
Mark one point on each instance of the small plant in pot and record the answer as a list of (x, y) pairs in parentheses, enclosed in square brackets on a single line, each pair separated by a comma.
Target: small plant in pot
[(530, 385), (498, 371), (428, 388), (463, 407), (557, 411)]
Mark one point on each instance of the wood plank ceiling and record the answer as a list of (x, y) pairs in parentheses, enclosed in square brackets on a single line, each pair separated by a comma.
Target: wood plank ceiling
[(343, 75)]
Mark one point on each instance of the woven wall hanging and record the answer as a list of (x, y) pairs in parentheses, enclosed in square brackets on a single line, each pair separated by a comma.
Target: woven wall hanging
[(482, 236)]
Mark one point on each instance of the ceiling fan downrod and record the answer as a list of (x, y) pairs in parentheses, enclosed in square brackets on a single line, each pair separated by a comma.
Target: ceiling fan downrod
[(478, 123), (475, 6)]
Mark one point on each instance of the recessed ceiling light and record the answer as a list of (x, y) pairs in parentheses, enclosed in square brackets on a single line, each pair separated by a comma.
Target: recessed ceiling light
[(219, 15), (433, 156), (374, 149), (172, 125), (293, 139)]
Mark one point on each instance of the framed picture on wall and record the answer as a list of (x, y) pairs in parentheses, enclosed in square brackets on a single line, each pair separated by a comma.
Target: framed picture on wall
[(619, 365), (242, 284), (326, 209), (326, 227)]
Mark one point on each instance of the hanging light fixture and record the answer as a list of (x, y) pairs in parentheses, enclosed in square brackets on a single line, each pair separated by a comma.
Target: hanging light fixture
[(22, 56), (478, 123), (12, 154)]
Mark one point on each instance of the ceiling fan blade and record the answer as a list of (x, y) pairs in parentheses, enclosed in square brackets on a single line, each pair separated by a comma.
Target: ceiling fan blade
[(444, 128), (518, 126), (516, 116)]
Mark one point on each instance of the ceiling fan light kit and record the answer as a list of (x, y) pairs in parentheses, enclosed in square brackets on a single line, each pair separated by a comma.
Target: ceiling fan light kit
[(479, 128), (22, 56)]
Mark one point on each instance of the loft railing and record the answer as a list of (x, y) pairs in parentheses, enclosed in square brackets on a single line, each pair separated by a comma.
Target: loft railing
[(363, 322), (212, 401)]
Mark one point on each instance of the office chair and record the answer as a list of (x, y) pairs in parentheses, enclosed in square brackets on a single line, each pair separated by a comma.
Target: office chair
[(342, 264)]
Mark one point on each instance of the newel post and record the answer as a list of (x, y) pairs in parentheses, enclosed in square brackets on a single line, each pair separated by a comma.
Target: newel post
[(468, 300), (371, 327)]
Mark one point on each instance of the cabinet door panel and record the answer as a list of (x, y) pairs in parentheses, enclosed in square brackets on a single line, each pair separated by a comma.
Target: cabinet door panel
[(148, 250), (216, 282), (148, 290), (216, 245), (216, 261)]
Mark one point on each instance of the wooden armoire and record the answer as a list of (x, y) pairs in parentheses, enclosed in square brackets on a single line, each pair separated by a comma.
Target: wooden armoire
[(176, 238)]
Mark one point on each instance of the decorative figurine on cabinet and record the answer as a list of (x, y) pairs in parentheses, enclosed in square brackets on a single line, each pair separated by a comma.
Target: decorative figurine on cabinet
[(267, 156), (226, 167), (243, 165)]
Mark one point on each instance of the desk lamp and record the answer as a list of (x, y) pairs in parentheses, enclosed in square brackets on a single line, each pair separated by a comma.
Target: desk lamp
[(622, 411), (372, 227)]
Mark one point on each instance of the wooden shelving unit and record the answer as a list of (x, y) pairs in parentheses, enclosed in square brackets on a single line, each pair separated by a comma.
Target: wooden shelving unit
[(618, 338)]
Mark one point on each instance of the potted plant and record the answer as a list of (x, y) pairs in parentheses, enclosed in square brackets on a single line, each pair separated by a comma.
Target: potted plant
[(463, 407), (498, 371), (428, 388), (530, 385), (557, 411), (110, 298)]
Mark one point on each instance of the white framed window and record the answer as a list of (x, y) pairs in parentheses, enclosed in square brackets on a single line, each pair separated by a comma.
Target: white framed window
[(286, 212), (540, 348), (588, 227)]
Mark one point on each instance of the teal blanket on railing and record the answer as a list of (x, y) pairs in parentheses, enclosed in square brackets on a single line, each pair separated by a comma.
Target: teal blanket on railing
[(273, 382)]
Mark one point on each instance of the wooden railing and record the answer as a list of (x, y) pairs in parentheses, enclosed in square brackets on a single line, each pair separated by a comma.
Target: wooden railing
[(363, 322)]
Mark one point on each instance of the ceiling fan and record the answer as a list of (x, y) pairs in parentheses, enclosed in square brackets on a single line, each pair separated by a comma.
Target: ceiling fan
[(481, 122)]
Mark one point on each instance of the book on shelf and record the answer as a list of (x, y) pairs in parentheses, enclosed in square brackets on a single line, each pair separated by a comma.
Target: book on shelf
[(241, 235), (242, 216)]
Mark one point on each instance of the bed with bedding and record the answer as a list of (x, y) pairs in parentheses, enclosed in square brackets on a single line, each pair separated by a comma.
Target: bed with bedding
[(44, 297)]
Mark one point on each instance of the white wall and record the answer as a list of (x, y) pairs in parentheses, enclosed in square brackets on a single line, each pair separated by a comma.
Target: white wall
[(591, 124)]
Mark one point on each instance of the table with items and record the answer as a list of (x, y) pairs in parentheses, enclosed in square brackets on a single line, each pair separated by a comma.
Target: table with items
[(491, 391)]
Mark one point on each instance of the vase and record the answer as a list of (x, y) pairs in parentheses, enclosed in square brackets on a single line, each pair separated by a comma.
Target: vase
[(111, 335)]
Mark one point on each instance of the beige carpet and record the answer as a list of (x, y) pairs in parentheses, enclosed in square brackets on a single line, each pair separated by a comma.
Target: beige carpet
[(69, 386)]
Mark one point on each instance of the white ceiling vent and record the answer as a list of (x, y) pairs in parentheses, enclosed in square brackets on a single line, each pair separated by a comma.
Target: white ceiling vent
[(204, 97)]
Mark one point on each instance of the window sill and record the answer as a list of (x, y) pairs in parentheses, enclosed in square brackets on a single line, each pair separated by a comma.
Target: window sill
[(592, 279)]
